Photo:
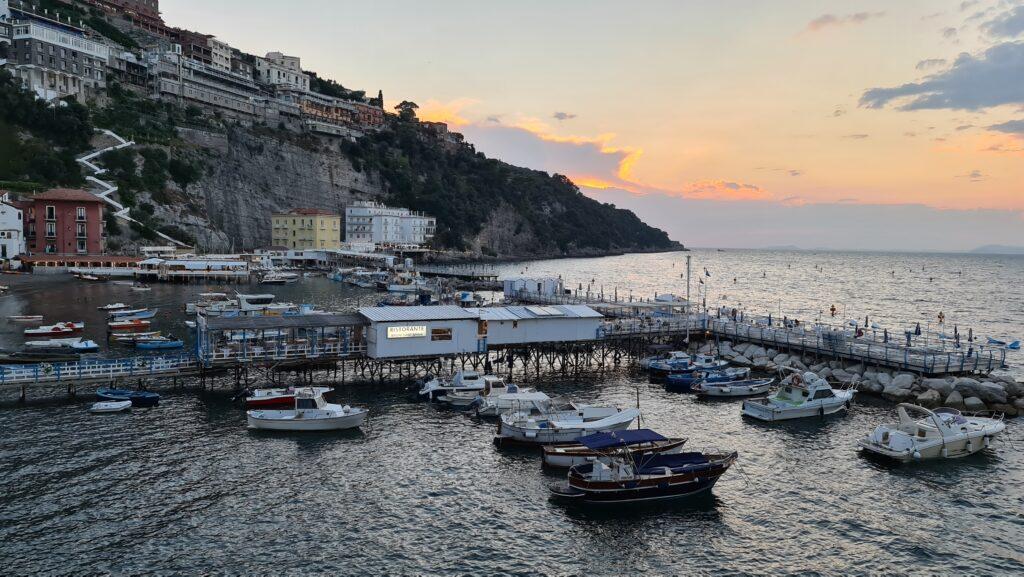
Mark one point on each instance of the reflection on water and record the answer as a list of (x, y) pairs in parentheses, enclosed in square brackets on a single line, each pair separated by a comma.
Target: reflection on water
[(187, 488)]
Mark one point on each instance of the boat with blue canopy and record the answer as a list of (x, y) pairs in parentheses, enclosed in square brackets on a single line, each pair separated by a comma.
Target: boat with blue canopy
[(638, 441), (138, 398), (699, 362), (155, 345), (683, 382)]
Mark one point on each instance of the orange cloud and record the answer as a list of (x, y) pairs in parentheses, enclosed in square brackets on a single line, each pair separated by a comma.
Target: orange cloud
[(723, 190), (447, 112)]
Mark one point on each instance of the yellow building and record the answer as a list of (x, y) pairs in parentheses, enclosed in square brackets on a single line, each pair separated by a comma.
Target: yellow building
[(307, 228)]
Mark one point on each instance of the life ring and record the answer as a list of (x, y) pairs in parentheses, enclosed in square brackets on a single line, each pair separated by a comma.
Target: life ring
[(47, 368), (797, 379)]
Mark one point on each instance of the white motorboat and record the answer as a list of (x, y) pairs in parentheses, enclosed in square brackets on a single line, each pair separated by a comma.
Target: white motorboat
[(495, 406), (562, 426), (743, 388), (113, 307), (407, 283), (806, 396), (311, 413), (493, 387), (463, 381), (278, 277), (110, 406), (51, 343), (141, 287), (646, 362), (687, 364), (940, 434), (65, 328), (25, 318)]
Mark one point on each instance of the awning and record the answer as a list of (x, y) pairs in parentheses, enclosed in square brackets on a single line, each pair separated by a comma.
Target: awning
[(620, 438)]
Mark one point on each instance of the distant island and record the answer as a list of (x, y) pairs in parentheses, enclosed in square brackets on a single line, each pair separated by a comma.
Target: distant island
[(998, 249)]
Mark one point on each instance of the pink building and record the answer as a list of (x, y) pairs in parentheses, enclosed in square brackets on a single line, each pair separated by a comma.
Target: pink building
[(64, 221)]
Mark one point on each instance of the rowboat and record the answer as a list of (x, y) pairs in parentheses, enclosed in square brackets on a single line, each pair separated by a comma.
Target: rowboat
[(137, 398), (113, 307), (134, 336), (25, 318), (744, 388), (126, 312), (38, 357), (310, 413), (110, 406), (638, 441), (159, 344), (128, 325), (57, 329)]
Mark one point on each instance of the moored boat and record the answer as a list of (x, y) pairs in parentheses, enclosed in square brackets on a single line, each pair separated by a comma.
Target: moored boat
[(54, 343), (310, 413), (805, 396), (495, 406), (276, 398), (110, 406), (463, 381), (493, 386), (25, 318), (36, 357), (128, 325), (121, 313), (159, 344), (940, 434), (683, 382), (57, 329), (113, 307), (699, 362), (743, 388), (565, 426), (137, 398), (638, 441)]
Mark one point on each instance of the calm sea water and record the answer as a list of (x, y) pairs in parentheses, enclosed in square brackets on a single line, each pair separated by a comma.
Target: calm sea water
[(186, 488)]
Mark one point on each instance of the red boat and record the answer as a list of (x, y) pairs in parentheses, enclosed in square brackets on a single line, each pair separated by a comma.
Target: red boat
[(282, 398), (55, 329), (134, 325)]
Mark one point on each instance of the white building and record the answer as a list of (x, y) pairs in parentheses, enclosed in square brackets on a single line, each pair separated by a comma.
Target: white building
[(536, 324), (57, 61), (545, 286), (276, 69), (12, 237), (374, 223), (220, 52)]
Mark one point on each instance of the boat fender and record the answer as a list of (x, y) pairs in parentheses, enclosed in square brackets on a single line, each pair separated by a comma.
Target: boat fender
[(970, 446), (917, 455), (821, 411), (985, 441), (346, 409), (945, 452)]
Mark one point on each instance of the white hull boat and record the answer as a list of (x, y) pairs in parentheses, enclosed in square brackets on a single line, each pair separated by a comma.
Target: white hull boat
[(562, 426), (110, 406), (942, 434), (50, 343), (311, 413), (807, 396), (493, 387), (463, 382), (744, 388), (512, 402)]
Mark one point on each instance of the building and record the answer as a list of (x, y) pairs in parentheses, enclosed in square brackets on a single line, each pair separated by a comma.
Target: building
[(64, 221), (190, 81), (538, 324), (144, 14), (6, 32), (311, 228), (279, 70), (220, 54), (439, 130), (55, 59), (127, 69), (543, 286), (12, 230), (374, 223), (196, 46)]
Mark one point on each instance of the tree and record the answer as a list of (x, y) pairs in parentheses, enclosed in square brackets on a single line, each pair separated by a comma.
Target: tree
[(407, 110)]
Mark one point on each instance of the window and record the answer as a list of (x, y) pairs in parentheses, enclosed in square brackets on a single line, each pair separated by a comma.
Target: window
[(481, 327), (80, 230), (51, 212), (51, 248), (81, 245), (51, 230), (80, 213), (440, 334)]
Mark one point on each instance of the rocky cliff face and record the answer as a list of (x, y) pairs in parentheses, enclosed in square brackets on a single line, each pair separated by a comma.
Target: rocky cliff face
[(248, 175)]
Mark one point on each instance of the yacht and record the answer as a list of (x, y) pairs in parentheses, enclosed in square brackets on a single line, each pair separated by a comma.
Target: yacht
[(940, 434), (310, 413), (806, 396)]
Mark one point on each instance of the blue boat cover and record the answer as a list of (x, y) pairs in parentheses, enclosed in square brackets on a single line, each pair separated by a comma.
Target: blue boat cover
[(597, 441), (673, 461)]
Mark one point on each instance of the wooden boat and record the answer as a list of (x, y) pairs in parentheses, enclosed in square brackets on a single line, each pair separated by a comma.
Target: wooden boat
[(137, 398), (561, 426), (744, 388), (683, 382), (621, 478), (57, 329), (126, 312), (25, 318), (276, 398), (113, 307), (133, 335), (128, 325), (110, 406), (155, 344), (638, 441), (310, 413), (940, 434)]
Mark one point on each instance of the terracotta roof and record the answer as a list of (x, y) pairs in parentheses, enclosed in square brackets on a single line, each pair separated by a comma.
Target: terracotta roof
[(67, 194), (309, 212), (79, 258)]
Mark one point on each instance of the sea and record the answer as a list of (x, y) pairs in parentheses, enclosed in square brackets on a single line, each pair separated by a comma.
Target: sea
[(186, 488)]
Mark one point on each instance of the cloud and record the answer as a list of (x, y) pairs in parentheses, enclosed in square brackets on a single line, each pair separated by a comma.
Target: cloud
[(967, 4), (722, 190), (909, 134), (856, 136), (832, 20), (1015, 127), (449, 112), (1009, 24), (973, 176), (964, 127), (494, 118), (992, 78), (796, 172), (948, 32), (839, 111), (930, 63), (563, 116)]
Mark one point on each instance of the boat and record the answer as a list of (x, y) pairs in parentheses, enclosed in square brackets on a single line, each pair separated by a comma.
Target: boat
[(743, 388), (276, 277), (687, 364), (121, 313), (544, 428), (310, 413), (683, 382), (622, 477), (495, 406), (159, 344), (38, 357), (662, 356), (463, 398), (92, 278), (146, 314), (140, 287), (276, 398), (110, 406), (806, 396), (407, 283), (639, 441), (54, 343), (57, 329), (138, 398), (25, 318), (128, 325), (86, 346), (940, 434), (435, 387), (134, 336), (113, 307)]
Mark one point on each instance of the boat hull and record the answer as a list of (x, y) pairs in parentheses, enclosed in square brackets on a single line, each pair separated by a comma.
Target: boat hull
[(736, 389), (137, 398), (643, 488), (771, 413), (110, 406), (962, 446), (555, 458), (520, 435), (287, 421)]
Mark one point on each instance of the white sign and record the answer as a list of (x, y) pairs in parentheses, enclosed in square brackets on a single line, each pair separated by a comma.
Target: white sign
[(406, 332)]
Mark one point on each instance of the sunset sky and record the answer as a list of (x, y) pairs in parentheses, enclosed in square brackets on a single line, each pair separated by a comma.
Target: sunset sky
[(727, 123)]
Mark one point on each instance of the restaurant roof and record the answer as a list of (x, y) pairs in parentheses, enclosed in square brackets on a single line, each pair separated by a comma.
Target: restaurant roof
[(419, 313), (314, 321)]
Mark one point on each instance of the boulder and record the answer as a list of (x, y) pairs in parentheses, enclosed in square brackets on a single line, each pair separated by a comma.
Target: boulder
[(835, 364), (954, 401), (902, 381), (1019, 404), (942, 386), (974, 404), (930, 399), (1013, 388), (741, 360), (761, 362), (883, 379), (797, 364), (780, 358), (817, 367), (897, 394), (856, 369), (1008, 410), (866, 386), (877, 388), (823, 373), (705, 348), (987, 392), (845, 377)]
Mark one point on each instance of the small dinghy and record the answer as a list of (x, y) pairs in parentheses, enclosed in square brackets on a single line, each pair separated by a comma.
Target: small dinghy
[(123, 314), (744, 388), (310, 413), (940, 434), (159, 344), (58, 329), (110, 406), (113, 307), (638, 441), (139, 287), (561, 426), (25, 318), (137, 398)]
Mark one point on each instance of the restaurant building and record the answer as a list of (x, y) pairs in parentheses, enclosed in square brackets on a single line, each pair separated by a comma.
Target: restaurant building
[(63, 221)]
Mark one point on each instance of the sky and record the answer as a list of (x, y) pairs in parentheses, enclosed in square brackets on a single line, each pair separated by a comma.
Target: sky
[(877, 125)]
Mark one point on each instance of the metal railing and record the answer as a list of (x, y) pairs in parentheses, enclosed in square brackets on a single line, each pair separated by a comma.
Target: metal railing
[(154, 366)]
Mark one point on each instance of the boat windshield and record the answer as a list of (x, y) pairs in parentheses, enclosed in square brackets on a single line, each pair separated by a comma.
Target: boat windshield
[(305, 403)]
